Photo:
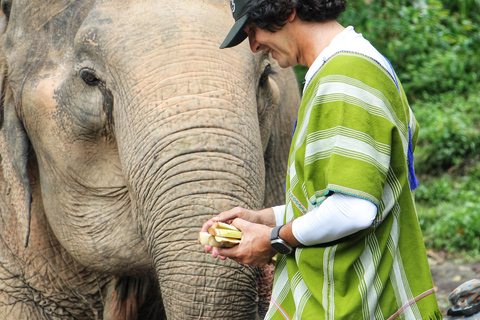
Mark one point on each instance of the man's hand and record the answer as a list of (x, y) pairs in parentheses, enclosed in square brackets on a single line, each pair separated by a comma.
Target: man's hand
[(254, 249), (262, 220)]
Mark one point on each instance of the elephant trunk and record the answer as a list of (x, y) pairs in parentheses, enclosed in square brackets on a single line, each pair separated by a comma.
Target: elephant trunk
[(193, 158)]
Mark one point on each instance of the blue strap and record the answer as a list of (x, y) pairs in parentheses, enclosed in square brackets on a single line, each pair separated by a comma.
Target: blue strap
[(392, 73), (411, 171)]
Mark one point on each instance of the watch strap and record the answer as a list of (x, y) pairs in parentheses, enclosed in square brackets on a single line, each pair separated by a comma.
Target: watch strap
[(275, 234), (280, 245)]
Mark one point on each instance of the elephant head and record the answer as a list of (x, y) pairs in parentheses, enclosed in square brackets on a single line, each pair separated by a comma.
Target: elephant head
[(126, 127)]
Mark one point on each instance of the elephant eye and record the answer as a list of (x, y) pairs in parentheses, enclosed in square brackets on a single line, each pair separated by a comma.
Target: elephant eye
[(266, 73), (89, 77)]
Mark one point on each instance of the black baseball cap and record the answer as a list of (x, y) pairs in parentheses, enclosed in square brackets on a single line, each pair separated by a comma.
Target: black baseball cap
[(237, 34)]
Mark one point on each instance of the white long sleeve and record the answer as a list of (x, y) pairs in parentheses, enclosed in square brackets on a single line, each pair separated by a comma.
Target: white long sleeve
[(279, 212), (338, 216)]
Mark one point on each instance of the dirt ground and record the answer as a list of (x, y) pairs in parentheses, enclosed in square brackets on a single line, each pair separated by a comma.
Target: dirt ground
[(449, 272)]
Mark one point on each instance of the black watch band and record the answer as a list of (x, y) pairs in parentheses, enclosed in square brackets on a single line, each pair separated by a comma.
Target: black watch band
[(277, 243)]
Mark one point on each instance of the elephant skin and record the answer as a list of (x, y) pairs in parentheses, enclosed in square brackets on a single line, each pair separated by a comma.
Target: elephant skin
[(123, 128)]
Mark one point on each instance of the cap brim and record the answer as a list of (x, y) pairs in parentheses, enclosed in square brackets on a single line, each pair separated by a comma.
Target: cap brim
[(236, 34)]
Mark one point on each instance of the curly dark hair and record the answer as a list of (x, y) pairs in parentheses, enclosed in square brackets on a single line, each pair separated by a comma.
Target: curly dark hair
[(272, 14)]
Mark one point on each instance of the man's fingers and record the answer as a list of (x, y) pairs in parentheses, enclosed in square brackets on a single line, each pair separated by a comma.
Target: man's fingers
[(215, 252), (233, 213), (207, 225), (239, 223), (225, 216), (228, 252)]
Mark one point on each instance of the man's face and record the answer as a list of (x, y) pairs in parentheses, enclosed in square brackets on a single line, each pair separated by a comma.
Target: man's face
[(279, 44)]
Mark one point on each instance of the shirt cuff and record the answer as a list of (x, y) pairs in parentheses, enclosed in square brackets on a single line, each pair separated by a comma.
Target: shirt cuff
[(279, 212)]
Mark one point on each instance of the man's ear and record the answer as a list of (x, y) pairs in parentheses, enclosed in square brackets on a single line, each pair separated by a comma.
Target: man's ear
[(292, 15), (14, 145)]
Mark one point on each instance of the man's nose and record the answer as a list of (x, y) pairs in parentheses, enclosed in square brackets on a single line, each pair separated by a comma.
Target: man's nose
[(254, 45)]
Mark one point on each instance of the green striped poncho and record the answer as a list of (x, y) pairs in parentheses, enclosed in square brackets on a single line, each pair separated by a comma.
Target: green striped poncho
[(352, 137)]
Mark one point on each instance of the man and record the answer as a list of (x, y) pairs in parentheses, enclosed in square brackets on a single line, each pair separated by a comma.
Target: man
[(348, 241)]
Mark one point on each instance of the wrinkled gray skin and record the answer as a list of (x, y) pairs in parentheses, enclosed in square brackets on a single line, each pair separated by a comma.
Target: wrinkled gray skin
[(123, 128)]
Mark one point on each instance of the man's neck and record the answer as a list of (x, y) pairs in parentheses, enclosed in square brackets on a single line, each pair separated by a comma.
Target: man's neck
[(314, 37)]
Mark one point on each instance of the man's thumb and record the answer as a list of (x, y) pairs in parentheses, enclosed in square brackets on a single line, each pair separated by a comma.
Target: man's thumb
[(239, 223)]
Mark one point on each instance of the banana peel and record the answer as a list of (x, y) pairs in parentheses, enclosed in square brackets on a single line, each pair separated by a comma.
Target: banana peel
[(221, 235)]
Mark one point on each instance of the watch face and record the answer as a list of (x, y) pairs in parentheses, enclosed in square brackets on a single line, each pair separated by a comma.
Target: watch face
[(281, 246)]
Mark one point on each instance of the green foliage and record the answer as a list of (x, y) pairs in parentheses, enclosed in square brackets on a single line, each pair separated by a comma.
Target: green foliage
[(300, 71), (449, 135), (449, 213), (433, 50), (467, 8)]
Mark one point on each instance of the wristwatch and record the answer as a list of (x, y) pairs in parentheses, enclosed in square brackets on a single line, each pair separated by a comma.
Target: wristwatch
[(278, 243)]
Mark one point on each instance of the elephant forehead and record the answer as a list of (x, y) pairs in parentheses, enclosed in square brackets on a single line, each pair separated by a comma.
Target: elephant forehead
[(139, 41), (155, 22), (40, 35)]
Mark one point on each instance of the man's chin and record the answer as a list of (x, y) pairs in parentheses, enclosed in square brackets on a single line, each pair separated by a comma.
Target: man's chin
[(283, 63)]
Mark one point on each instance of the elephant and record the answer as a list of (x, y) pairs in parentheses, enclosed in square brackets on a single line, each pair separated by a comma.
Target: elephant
[(123, 128)]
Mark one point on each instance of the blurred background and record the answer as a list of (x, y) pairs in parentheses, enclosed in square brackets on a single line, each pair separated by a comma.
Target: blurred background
[(434, 47)]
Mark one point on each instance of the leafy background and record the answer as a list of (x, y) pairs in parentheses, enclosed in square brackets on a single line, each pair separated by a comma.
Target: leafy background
[(434, 46)]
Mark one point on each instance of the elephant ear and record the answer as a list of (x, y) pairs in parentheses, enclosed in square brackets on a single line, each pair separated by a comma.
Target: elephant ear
[(14, 145), (278, 147)]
